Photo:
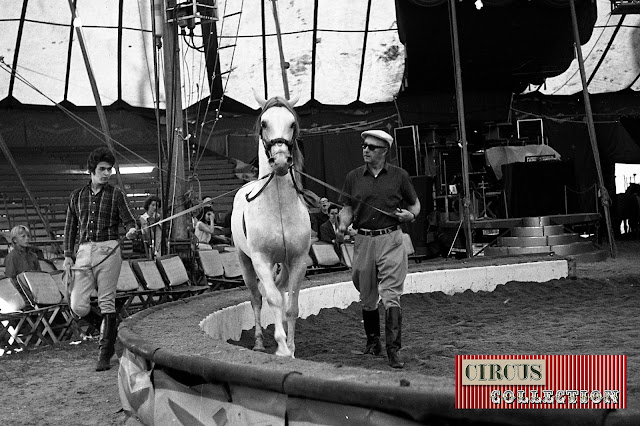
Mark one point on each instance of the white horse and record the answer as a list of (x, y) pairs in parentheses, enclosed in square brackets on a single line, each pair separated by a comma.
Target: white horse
[(270, 223)]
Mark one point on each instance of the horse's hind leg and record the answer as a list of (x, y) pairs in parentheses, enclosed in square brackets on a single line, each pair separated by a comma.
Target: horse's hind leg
[(250, 280)]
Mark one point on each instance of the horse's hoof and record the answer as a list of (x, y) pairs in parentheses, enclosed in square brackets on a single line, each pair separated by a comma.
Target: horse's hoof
[(259, 348), (286, 353)]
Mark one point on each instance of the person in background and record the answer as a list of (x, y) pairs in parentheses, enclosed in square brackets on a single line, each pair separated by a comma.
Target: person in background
[(204, 227), (152, 236), (329, 232), (322, 216), (22, 257), (380, 198), (215, 238), (94, 215)]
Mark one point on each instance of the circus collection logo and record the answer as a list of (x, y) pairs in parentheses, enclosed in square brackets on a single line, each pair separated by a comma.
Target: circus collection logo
[(541, 381)]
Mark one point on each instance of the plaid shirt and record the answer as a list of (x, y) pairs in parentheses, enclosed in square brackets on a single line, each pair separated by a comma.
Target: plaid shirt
[(96, 217)]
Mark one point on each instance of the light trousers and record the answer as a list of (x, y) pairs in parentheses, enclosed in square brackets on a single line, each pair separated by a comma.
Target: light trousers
[(89, 277), (380, 266)]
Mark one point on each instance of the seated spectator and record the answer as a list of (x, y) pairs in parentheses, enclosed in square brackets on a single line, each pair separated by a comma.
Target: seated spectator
[(205, 228), (322, 216), (21, 257), (328, 230), (153, 236)]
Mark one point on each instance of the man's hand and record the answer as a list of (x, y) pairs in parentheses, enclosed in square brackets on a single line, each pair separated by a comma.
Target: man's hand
[(68, 263), (404, 215), (131, 233)]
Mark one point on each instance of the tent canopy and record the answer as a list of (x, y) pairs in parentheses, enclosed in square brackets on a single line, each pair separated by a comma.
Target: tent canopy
[(338, 52)]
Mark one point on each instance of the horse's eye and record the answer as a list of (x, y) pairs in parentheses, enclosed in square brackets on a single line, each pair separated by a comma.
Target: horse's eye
[(263, 124)]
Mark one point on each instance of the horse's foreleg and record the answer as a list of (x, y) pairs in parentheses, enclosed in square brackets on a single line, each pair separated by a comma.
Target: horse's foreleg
[(250, 280), (275, 300), (296, 275)]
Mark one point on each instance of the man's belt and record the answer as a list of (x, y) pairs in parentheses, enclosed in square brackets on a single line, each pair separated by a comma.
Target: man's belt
[(376, 232)]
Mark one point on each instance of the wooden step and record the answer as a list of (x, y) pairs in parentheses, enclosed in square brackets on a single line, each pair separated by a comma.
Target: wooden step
[(536, 221), (573, 248), (512, 251)]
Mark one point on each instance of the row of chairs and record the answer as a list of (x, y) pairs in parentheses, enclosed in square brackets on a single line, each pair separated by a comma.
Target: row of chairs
[(34, 309), (33, 312)]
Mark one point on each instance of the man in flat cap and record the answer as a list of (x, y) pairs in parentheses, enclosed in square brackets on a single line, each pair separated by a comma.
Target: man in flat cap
[(381, 197)]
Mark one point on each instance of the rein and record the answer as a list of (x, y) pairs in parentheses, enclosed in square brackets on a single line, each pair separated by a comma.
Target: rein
[(270, 175), (339, 191)]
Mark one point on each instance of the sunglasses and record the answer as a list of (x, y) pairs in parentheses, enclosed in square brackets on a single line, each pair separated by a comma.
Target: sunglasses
[(371, 147)]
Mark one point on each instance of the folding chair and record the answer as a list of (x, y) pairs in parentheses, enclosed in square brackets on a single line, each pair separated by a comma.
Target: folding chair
[(232, 270), (176, 279), (20, 324), (147, 273), (213, 269), (41, 290), (326, 258), (136, 297)]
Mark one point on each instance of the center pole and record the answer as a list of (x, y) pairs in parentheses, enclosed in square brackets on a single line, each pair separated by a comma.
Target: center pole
[(466, 201), (605, 199)]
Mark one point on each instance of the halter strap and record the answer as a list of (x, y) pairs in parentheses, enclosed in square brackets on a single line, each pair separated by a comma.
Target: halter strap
[(250, 199)]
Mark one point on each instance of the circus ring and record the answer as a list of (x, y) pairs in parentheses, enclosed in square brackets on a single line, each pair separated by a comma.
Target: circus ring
[(171, 372)]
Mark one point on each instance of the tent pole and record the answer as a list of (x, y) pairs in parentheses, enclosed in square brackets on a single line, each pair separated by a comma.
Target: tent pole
[(96, 94), (157, 11), (466, 201), (604, 195), (47, 226), (285, 82), (175, 124)]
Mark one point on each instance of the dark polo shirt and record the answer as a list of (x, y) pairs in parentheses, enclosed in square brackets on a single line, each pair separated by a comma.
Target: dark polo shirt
[(390, 190)]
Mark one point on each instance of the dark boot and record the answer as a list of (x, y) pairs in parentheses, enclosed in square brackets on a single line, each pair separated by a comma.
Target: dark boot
[(94, 319), (371, 321), (393, 336), (108, 333)]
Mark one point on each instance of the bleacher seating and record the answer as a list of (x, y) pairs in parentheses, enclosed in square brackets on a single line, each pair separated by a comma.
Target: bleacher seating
[(52, 176)]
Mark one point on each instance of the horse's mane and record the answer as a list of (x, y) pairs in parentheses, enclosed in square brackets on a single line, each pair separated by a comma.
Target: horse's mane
[(279, 101)]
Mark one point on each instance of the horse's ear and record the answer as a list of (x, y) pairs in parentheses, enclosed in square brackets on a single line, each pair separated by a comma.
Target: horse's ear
[(261, 100), (293, 101)]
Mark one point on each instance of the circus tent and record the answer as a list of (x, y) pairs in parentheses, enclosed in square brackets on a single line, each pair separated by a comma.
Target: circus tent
[(337, 52)]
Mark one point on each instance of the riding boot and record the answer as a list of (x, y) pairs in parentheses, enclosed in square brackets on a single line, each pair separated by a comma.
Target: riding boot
[(371, 321), (108, 333), (94, 319), (393, 336)]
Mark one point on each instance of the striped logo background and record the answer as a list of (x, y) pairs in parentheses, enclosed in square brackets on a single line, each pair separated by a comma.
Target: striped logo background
[(563, 372)]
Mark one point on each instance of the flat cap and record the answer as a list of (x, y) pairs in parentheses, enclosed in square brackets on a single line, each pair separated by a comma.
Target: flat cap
[(378, 134)]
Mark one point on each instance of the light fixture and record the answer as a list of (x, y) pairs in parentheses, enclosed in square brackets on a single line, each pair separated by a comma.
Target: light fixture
[(479, 4), (130, 170)]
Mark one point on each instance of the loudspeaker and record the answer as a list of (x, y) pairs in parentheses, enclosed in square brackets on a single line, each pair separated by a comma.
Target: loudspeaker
[(408, 149), (418, 230)]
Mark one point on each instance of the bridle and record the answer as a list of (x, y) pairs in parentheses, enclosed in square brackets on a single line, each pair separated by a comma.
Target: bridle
[(268, 144)]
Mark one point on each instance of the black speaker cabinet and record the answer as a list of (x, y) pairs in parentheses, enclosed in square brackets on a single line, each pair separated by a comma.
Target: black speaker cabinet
[(408, 149), (418, 229)]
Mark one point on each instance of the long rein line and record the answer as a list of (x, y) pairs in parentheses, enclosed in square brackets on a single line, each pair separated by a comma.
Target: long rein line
[(189, 210), (339, 191)]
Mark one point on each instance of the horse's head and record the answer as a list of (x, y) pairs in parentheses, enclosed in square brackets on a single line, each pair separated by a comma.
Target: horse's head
[(278, 130)]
